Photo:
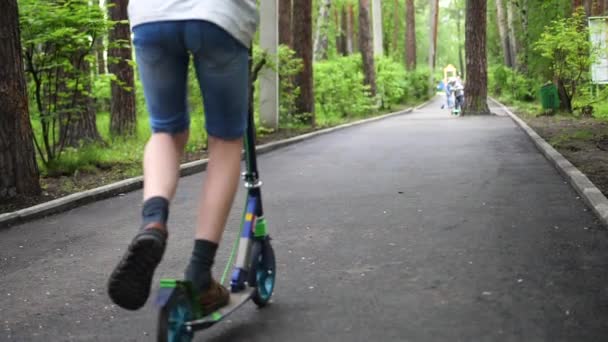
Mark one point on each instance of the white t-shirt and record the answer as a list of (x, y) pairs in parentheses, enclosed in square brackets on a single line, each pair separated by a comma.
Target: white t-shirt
[(238, 17)]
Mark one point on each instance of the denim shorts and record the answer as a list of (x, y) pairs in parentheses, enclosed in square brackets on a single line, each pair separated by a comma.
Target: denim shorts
[(163, 51)]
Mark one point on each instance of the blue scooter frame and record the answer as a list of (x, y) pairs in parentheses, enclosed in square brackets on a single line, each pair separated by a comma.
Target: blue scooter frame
[(253, 272)]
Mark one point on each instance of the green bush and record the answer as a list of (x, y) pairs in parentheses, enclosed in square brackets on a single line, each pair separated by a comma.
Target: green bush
[(504, 81), (418, 85), (339, 89), (391, 81)]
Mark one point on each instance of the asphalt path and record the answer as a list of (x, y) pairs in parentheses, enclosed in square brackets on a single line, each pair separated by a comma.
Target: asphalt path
[(421, 227)]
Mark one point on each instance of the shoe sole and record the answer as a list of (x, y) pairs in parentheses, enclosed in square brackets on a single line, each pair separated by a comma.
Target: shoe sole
[(130, 282)]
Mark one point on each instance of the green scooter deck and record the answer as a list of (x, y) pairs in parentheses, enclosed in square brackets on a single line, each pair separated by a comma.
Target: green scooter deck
[(236, 301)]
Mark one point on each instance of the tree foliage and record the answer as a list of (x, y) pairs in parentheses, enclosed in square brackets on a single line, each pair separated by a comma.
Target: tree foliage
[(57, 38), (565, 46)]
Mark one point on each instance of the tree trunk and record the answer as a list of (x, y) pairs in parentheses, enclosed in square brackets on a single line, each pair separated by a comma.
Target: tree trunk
[(434, 17), (396, 26), (122, 111), (588, 7), (350, 31), (460, 46), (565, 101), (344, 43), (338, 35), (81, 123), (476, 90), (302, 44), (320, 51), (410, 36), (501, 20), (523, 13), (18, 169), (285, 16), (378, 39), (365, 45), (101, 60), (513, 43)]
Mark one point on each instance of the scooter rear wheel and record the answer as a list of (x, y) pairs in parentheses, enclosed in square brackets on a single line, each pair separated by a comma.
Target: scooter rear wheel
[(172, 319)]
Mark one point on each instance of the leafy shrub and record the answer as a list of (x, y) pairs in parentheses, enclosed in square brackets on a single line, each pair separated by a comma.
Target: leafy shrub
[(391, 82), (339, 89), (504, 81), (418, 85)]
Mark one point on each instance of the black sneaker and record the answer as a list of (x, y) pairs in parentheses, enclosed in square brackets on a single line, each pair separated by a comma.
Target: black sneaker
[(130, 282)]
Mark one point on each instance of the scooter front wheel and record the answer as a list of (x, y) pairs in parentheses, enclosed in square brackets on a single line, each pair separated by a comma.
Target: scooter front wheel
[(264, 269)]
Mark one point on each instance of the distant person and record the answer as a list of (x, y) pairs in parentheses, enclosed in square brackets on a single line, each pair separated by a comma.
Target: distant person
[(448, 95)]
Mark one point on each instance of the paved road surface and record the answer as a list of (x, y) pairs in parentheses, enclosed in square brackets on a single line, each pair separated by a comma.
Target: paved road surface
[(416, 228)]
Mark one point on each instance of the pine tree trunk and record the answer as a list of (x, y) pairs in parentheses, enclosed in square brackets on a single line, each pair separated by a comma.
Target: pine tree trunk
[(396, 26), (320, 46), (344, 46), (378, 35), (434, 17), (302, 44), (460, 46), (365, 45), (101, 61), (350, 31), (81, 124), (503, 30), (476, 90), (122, 111), (18, 169), (513, 43), (285, 26), (410, 36)]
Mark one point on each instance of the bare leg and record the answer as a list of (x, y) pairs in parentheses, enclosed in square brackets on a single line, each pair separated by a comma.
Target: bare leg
[(161, 164), (223, 173)]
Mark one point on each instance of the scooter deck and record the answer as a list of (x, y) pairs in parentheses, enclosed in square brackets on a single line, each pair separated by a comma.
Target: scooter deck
[(236, 301)]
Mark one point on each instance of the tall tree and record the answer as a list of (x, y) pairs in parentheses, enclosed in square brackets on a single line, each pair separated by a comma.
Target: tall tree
[(460, 45), (79, 123), (350, 32), (101, 60), (285, 16), (523, 14), (365, 45), (302, 44), (18, 168), (503, 30), (410, 36), (344, 50), (378, 35), (320, 44), (476, 93), (396, 27), (434, 22), (512, 34), (122, 111)]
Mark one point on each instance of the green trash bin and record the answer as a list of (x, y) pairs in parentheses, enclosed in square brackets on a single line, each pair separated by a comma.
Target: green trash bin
[(548, 97)]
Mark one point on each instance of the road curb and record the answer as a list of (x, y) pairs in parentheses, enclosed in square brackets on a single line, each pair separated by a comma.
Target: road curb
[(110, 190), (579, 181)]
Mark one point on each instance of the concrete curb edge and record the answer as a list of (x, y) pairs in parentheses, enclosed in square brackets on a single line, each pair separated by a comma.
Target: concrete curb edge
[(110, 190), (578, 180)]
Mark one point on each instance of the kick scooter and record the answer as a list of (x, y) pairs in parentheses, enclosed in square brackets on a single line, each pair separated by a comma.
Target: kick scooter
[(253, 273)]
